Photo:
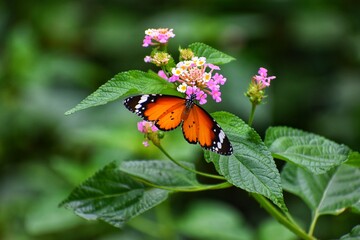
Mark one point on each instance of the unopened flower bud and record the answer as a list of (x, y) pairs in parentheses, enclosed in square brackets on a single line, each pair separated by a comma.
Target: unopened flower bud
[(186, 54), (160, 58)]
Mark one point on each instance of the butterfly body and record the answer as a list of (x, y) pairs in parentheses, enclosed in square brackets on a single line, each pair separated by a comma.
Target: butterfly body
[(168, 112)]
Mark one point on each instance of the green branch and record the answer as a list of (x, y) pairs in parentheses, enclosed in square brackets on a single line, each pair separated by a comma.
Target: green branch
[(186, 188), (313, 223), (188, 168), (251, 117), (270, 208)]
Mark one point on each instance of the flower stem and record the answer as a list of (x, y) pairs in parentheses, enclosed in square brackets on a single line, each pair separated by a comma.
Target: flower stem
[(251, 118), (273, 211), (188, 168), (163, 68)]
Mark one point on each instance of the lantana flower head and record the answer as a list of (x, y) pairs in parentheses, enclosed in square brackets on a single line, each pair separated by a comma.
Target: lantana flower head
[(186, 54), (199, 79), (157, 36), (150, 132), (146, 127), (256, 88), (262, 79)]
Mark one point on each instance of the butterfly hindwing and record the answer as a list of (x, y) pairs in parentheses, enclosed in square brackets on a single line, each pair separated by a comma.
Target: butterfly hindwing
[(200, 127), (190, 126)]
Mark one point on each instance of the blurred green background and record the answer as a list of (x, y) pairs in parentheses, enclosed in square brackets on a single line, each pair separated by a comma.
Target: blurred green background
[(55, 53)]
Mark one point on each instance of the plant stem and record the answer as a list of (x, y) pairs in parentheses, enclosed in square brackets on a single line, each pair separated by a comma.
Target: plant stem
[(251, 117), (313, 223), (284, 219), (270, 208), (163, 68), (186, 188), (190, 169)]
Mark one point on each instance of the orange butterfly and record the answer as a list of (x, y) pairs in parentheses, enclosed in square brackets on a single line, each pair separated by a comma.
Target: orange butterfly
[(168, 112)]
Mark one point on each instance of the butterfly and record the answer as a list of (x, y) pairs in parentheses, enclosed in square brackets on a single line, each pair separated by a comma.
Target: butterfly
[(168, 112)]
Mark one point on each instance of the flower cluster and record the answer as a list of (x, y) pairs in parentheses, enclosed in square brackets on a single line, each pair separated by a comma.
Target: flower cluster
[(195, 77), (160, 35), (256, 88), (148, 128), (192, 76)]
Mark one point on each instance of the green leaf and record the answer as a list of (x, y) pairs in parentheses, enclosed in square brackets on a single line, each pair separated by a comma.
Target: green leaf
[(251, 167), (212, 55), (122, 84), (328, 193), (113, 196), (353, 235), (356, 207), (310, 151), (213, 220), (353, 159), (162, 173)]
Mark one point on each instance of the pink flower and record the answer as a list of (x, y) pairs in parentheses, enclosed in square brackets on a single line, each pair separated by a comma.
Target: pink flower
[(149, 130), (212, 66), (147, 59), (146, 127), (262, 78), (212, 85), (197, 75), (173, 78), (162, 38), (219, 79), (147, 41), (190, 90), (256, 92), (201, 96), (162, 74), (160, 35), (145, 143), (216, 95)]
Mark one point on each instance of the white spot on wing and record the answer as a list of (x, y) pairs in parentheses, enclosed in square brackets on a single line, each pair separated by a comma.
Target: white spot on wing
[(143, 99), (221, 136)]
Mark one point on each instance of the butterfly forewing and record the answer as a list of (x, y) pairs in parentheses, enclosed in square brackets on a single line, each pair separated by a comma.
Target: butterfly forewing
[(164, 111)]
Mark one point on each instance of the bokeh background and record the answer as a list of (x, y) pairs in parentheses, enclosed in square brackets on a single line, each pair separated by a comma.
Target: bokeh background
[(55, 53)]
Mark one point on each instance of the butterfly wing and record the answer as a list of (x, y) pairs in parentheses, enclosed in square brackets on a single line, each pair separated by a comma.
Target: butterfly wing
[(200, 127), (164, 110)]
